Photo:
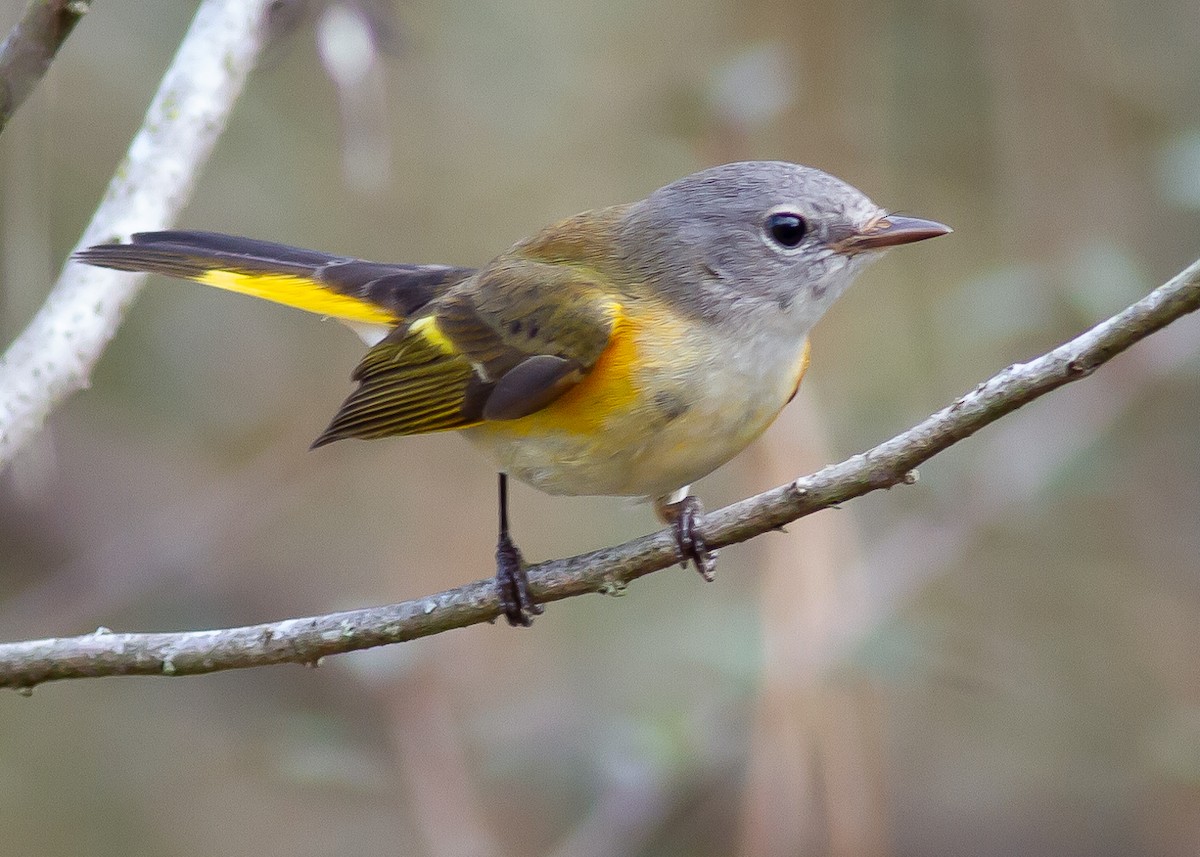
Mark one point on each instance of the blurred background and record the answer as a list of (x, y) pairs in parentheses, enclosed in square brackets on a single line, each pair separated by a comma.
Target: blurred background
[(1002, 659)]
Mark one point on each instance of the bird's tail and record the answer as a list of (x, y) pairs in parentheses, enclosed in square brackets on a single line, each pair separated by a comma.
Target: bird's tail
[(349, 289)]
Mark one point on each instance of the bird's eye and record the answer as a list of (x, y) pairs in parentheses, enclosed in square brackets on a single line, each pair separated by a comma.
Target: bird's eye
[(786, 228)]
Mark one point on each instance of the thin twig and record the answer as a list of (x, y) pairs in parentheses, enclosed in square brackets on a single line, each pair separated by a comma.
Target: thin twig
[(53, 357), (28, 50), (25, 664)]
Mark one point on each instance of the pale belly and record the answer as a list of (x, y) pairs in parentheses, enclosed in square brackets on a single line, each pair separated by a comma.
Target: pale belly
[(684, 426)]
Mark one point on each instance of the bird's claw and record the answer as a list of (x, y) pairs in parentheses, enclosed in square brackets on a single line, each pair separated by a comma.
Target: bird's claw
[(684, 518)]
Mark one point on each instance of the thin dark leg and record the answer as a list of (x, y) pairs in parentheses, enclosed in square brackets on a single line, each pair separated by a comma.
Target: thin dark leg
[(683, 516), (511, 582)]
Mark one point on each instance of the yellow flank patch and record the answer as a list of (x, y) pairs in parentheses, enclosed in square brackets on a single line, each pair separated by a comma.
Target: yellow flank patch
[(801, 367), (298, 292), (608, 388)]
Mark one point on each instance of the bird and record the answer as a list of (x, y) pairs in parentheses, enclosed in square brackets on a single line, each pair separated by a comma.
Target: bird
[(625, 351)]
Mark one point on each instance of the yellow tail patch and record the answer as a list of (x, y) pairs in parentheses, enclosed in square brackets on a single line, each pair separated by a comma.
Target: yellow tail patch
[(299, 292)]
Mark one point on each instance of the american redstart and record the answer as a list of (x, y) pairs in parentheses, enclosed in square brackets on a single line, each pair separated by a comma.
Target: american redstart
[(625, 351)]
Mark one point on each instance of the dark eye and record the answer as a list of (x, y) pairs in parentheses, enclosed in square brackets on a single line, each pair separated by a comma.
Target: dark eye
[(786, 229)]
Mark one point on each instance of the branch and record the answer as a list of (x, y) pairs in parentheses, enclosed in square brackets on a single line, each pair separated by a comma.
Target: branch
[(53, 357), (29, 48), (25, 664)]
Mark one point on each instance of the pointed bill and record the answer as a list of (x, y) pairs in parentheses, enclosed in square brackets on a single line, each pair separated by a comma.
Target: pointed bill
[(891, 231)]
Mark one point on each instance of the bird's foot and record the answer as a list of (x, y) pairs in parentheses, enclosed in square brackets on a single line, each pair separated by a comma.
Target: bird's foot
[(512, 584), (684, 517)]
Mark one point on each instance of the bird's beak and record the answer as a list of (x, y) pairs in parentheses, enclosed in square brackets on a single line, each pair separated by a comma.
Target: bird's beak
[(889, 231)]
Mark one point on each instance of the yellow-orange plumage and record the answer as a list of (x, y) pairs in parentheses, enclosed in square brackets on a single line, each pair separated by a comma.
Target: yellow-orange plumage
[(608, 387)]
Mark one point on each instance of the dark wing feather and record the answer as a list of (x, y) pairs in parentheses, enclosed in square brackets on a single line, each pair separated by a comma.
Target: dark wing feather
[(407, 384)]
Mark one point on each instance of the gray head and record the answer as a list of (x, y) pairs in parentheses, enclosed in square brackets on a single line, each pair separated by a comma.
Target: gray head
[(774, 238)]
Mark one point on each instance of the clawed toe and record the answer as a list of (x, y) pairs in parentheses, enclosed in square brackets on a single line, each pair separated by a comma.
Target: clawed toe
[(684, 517)]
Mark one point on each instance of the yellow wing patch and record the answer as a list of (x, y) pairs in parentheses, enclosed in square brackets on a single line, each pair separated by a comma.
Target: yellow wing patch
[(427, 327), (298, 292)]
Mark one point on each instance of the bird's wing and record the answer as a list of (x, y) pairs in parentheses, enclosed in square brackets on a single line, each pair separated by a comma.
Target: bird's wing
[(502, 345)]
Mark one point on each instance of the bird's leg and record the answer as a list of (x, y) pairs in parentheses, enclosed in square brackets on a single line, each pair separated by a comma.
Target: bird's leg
[(512, 584), (682, 511)]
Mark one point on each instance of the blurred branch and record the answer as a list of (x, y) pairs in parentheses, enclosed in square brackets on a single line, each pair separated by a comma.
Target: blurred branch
[(53, 357), (25, 664), (29, 48)]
